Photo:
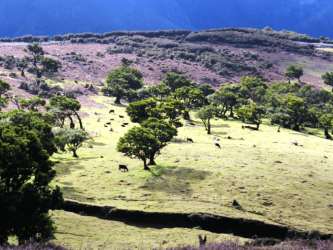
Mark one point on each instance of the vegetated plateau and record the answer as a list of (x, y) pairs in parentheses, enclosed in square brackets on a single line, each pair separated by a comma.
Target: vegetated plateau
[(269, 179)]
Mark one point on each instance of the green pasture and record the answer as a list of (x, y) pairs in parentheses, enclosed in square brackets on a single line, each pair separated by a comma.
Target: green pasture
[(85, 232), (272, 180)]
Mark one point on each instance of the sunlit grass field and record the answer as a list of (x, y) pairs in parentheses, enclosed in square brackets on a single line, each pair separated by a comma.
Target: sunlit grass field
[(272, 180), (85, 232)]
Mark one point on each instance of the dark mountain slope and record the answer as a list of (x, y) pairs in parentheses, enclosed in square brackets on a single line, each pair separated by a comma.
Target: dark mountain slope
[(39, 17)]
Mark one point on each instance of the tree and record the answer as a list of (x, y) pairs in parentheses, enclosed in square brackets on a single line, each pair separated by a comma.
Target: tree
[(251, 114), (326, 121), (142, 110), (23, 64), (328, 78), (25, 194), (138, 143), (297, 109), (37, 122), (121, 79), (48, 64), (205, 114), (4, 87), (36, 51), (293, 72), (162, 131), (173, 110), (206, 89), (33, 103), (175, 81), (126, 62), (67, 105), (73, 138), (160, 91)]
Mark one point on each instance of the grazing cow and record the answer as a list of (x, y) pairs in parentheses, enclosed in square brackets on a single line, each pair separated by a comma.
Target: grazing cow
[(76, 82), (202, 241), (121, 116), (108, 123), (217, 145), (192, 123), (111, 111), (189, 140), (310, 133), (105, 126), (125, 123), (123, 126), (112, 119), (123, 167)]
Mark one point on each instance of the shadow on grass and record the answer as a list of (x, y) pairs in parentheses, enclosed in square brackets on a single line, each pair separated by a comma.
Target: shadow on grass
[(177, 179), (66, 167), (70, 193)]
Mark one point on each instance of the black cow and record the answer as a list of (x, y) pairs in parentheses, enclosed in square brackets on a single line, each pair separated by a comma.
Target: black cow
[(123, 126), (125, 123), (192, 123), (105, 126), (111, 111), (217, 145), (108, 123), (123, 167), (76, 82), (189, 140), (121, 116)]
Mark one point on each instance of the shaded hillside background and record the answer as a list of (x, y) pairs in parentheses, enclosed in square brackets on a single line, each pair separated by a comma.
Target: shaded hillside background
[(40, 17)]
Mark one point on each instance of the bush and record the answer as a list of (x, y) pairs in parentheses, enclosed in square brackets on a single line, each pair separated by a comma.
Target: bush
[(27, 38), (31, 69), (104, 41), (17, 39), (73, 40), (12, 74), (57, 38)]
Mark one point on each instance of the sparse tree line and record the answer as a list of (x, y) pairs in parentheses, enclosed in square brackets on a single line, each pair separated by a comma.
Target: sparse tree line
[(286, 104)]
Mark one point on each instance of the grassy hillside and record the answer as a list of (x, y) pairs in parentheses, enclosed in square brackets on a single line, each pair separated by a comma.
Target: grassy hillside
[(273, 181)]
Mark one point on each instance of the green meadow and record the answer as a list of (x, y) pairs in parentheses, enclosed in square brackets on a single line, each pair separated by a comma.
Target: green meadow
[(272, 180)]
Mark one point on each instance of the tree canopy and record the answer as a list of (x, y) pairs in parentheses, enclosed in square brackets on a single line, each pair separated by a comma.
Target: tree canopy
[(25, 194)]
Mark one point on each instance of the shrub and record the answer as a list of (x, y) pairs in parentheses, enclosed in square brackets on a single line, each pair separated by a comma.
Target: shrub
[(12, 74), (104, 41), (73, 40), (127, 50), (17, 39), (27, 38), (57, 38)]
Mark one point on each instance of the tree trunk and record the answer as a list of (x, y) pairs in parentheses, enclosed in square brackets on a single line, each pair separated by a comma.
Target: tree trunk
[(231, 112), (38, 73), (145, 165), (208, 126), (117, 101), (296, 128), (78, 117), (22, 72), (74, 154), (72, 124), (151, 159)]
